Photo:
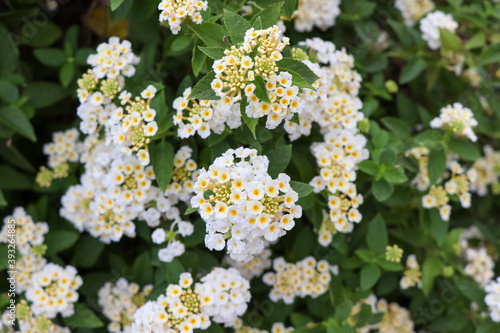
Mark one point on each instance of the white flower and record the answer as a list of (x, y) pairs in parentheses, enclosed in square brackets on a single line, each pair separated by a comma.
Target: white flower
[(458, 119), (431, 24)]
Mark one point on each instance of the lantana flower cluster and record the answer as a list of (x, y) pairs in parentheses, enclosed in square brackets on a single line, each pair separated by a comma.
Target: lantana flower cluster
[(430, 25), (316, 13), (457, 118), (337, 157), (119, 302), (412, 274), (174, 12), (479, 264), (413, 10), (54, 290), (28, 322), (395, 317), (222, 295), (492, 299), (254, 267), (488, 172), (242, 205), (307, 277), (204, 116)]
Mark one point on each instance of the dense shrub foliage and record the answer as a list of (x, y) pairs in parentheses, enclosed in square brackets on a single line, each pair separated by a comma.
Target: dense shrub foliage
[(250, 166)]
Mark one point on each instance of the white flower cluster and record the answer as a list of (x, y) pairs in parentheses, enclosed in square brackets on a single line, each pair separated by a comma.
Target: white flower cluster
[(113, 192), (222, 294), (202, 116), (488, 172), (457, 184), (26, 266), (316, 13), (396, 319), (413, 10), (29, 323), (254, 267), (276, 328), (184, 176), (334, 105), (64, 147), (242, 204), (119, 302), (113, 59), (479, 265), (28, 233), (492, 299), (307, 277), (337, 157), (430, 25), (412, 274), (174, 247), (176, 11), (54, 290), (458, 119)]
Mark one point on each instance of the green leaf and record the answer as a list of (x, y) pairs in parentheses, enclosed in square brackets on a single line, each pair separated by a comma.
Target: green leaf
[(13, 180), (413, 68), (162, 159), (394, 175), (214, 53), (397, 126), (3, 202), (87, 251), (66, 73), (82, 55), (181, 43), (203, 89), (251, 122), (369, 276), (50, 57), (449, 41), (431, 269), (191, 210), (236, 25), (439, 228), (83, 318), (343, 311), (45, 35), (289, 7), (14, 118), (390, 266), (491, 54), (211, 34), (289, 64), (465, 148), (198, 58), (298, 80), (174, 270), (366, 255), (302, 189), (9, 51), (376, 235), (114, 4), (268, 16), (8, 92), (471, 290), (436, 164), (369, 167), (476, 41), (260, 90), (60, 240), (382, 190), (279, 159), (42, 94)]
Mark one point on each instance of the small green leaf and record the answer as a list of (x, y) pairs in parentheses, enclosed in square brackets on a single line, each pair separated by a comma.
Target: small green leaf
[(174, 270), (279, 159), (14, 180), (298, 80), (8, 92), (180, 43), (491, 54), (390, 266), (369, 167), (382, 189), (269, 15), (439, 228), (369, 276), (66, 73), (260, 90), (397, 126), (449, 41), (211, 34), (287, 64), (251, 122), (198, 58), (476, 41), (14, 118), (413, 68), (87, 252), (114, 4), (162, 159), (45, 35), (42, 94), (436, 164), (50, 57), (214, 53), (431, 269), (289, 7), (203, 89), (394, 175), (302, 189), (191, 210), (83, 318), (465, 148), (236, 25), (376, 235), (60, 240)]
